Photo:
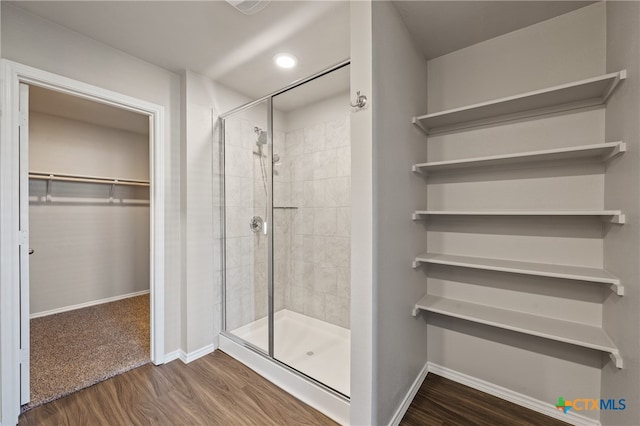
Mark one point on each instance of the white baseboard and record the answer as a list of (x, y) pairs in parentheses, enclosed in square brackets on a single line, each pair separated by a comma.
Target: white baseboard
[(192, 356), (534, 404), (406, 402), (87, 304), (172, 356)]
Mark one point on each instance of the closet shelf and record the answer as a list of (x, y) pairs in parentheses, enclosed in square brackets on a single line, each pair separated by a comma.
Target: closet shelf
[(574, 333), (577, 94), (86, 179), (613, 216), (528, 268), (604, 151)]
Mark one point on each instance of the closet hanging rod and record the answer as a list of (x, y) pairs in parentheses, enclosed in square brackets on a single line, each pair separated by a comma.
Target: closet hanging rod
[(87, 179)]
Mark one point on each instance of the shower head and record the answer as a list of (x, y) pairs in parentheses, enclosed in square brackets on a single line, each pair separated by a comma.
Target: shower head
[(262, 136)]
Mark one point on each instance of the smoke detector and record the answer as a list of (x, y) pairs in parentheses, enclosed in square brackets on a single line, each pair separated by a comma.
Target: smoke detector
[(249, 7)]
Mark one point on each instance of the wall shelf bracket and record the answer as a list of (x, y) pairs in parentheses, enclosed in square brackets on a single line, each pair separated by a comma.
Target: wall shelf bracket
[(617, 359), (419, 125), (617, 288), (417, 170), (618, 219), (618, 150), (415, 311)]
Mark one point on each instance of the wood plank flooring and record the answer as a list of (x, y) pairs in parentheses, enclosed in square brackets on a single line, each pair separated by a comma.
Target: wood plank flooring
[(441, 402), (213, 390), (218, 390)]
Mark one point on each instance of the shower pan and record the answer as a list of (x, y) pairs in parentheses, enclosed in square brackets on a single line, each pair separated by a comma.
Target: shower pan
[(286, 238)]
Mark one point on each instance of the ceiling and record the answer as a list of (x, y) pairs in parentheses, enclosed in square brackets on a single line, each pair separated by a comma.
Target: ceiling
[(214, 39), (62, 105), (441, 27)]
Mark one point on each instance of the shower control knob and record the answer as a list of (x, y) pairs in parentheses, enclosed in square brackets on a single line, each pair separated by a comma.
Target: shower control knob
[(256, 224)]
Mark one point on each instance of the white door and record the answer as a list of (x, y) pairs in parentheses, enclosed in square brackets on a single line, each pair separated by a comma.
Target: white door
[(24, 243)]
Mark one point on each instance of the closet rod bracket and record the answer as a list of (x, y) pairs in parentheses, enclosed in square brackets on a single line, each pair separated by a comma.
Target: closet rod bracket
[(112, 190), (47, 197)]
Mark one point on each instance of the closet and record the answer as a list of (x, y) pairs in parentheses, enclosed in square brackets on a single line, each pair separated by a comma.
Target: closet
[(89, 235)]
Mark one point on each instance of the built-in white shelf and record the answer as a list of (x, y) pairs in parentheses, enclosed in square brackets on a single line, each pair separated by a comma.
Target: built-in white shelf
[(577, 94), (603, 151), (613, 216), (568, 272), (575, 333)]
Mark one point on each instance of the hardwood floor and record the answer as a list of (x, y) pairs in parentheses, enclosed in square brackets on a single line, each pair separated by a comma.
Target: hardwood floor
[(213, 390), (442, 402), (218, 390)]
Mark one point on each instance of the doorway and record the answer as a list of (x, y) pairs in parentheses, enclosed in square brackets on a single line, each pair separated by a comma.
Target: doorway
[(87, 216), (14, 239)]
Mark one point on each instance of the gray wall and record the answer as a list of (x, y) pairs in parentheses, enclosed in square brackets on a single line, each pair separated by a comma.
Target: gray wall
[(621, 244), (86, 250), (362, 291), (32, 41), (400, 350), (203, 101), (567, 48)]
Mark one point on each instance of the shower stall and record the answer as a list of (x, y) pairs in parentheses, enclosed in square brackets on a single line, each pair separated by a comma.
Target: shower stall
[(286, 221)]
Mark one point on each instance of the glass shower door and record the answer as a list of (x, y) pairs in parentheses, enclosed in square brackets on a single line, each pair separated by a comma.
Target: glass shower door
[(287, 217), (311, 233), (247, 215)]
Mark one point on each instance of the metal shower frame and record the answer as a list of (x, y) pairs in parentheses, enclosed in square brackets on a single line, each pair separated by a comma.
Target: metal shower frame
[(270, 309)]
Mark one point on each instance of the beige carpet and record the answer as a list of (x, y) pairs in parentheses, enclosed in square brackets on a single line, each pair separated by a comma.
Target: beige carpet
[(76, 349)]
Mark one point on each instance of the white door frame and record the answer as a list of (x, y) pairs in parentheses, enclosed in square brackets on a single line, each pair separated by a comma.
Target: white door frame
[(12, 74)]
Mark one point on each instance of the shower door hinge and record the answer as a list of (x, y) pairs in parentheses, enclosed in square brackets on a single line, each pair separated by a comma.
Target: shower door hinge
[(23, 119), (23, 355)]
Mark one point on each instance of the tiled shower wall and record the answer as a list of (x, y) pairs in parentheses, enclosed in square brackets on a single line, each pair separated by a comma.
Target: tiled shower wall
[(244, 303), (320, 186), (312, 218)]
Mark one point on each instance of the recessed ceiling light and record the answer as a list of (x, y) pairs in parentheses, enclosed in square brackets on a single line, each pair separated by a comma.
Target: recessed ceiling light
[(249, 7), (285, 60)]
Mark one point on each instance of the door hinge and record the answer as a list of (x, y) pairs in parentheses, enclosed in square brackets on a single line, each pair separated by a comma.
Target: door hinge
[(23, 356)]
